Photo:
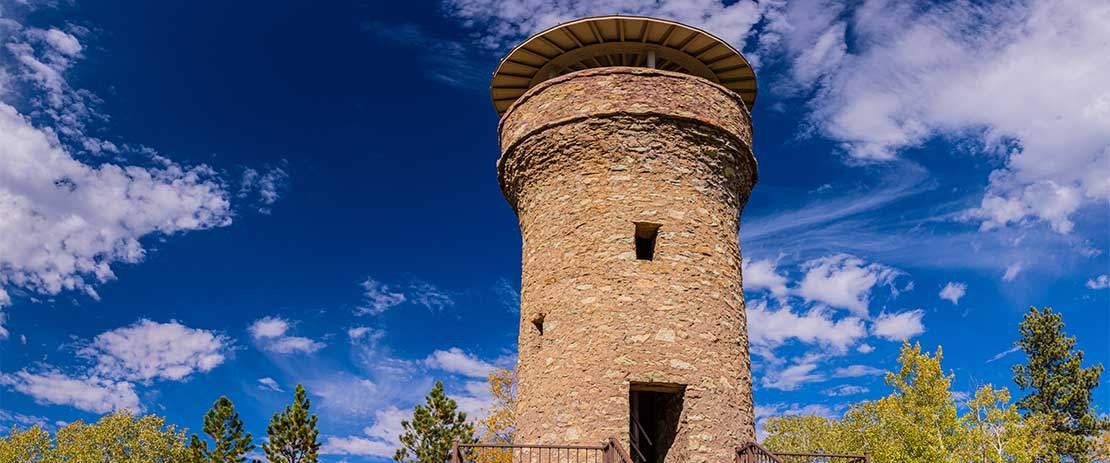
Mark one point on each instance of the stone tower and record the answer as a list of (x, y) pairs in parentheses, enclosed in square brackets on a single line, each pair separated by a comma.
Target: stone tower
[(626, 153)]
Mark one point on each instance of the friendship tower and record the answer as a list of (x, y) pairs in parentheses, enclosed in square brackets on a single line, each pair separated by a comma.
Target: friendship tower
[(626, 153)]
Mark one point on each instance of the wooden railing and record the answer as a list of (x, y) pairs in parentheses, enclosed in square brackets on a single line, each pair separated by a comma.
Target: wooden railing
[(611, 451), (608, 452), (755, 453)]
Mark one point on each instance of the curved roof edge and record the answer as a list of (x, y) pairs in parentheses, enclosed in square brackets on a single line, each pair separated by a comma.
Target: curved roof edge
[(605, 41)]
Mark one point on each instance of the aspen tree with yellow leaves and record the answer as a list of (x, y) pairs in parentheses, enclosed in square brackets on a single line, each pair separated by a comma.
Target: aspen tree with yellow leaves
[(120, 437), (498, 425)]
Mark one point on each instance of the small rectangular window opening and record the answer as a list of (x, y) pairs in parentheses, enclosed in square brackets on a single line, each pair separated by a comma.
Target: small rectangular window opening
[(646, 233)]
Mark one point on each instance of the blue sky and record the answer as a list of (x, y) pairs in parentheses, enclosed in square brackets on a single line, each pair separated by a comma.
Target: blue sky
[(231, 198)]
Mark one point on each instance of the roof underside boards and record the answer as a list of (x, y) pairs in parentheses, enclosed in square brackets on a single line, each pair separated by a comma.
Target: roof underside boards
[(620, 41)]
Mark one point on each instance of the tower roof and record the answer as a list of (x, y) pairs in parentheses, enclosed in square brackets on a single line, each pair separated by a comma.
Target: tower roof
[(604, 41)]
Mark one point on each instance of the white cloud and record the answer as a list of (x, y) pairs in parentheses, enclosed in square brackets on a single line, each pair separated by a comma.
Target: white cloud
[(143, 352), (379, 440), (357, 446), (94, 395), (779, 409), (761, 274), (293, 345), (269, 384), (899, 326), (856, 371), (429, 296), (454, 360), (772, 328), (953, 291), (378, 297), (25, 421), (364, 334), (503, 22), (266, 186), (268, 327), (1004, 353), (1012, 271), (67, 222), (75, 204), (63, 42), (1099, 282), (507, 294), (916, 71), (843, 281), (269, 334), (357, 332), (149, 350), (3, 319), (846, 390), (865, 348), (764, 411), (793, 377)]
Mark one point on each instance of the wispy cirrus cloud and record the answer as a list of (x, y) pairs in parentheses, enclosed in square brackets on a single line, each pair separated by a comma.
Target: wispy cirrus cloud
[(502, 23), (269, 384), (452, 63), (378, 297)]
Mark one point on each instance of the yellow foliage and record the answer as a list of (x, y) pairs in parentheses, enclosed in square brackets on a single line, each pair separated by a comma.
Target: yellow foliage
[(25, 446), (1102, 447), (918, 422), (120, 437), (497, 427)]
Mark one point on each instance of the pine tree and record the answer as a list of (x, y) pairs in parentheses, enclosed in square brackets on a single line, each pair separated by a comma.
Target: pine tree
[(292, 433), (223, 425), (1059, 386), (433, 429)]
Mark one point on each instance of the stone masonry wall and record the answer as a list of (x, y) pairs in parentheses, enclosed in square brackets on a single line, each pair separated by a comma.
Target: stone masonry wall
[(584, 157)]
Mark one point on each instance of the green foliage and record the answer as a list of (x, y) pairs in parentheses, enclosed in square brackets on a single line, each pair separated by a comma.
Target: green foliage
[(117, 438), (435, 426), (223, 425), (917, 423), (292, 433), (1059, 387)]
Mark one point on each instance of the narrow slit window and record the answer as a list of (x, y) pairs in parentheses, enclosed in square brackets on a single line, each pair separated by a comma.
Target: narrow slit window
[(646, 234)]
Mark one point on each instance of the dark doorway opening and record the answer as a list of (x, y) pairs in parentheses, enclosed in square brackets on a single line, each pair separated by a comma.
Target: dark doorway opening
[(654, 413), (646, 233)]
